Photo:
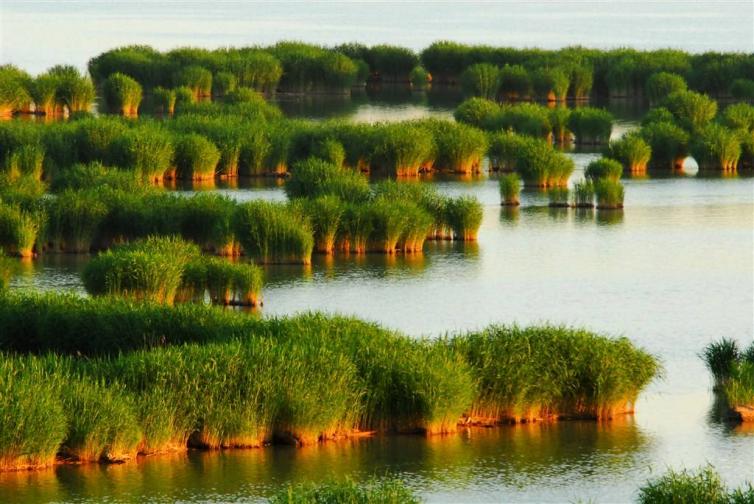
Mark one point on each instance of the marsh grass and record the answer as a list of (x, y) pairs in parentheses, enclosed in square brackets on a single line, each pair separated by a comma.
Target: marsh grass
[(272, 233), (196, 158), (401, 149), (603, 169), (19, 229), (207, 220), (163, 100), (510, 189), (590, 126), (720, 357), (632, 151), (703, 486), (481, 80), (558, 197), (583, 194), (73, 220), (458, 148), (715, 147), (504, 150), (669, 145), (464, 217), (122, 94), (609, 194), (385, 491)]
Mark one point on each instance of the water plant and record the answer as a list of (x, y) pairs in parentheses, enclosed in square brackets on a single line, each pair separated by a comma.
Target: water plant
[(739, 116), (661, 84), (539, 165), (481, 80), (504, 149), (197, 78), (164, 100), (464, 217), (558, 118), (697, 487), (669, 144), (271, 233), (122, 94), (551, 84), (715, 147), (73, 220), (515, 82), (207, 220), (581, 81), (196, 158), (227, 283), (44, 92), (583, 194), (400, 150), (742, 89), (385, 491), (720, 358), (146, 270), (603, 168), (314, 177), (18, 230), (609, 194), (420, 79), (631, 151), (13, 93), (558, 197), (478, 112), (391, 63), (147, 150), (224, 83), (510, 189), (528, 119), (325, 214), (590, 126), (457, 147), (692, 110), (355, 227)]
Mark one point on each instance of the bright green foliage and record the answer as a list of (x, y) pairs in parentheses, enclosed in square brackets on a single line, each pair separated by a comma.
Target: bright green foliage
[(226, 282), (207, 220), (591, 125), (692, 110), (715, 147), (539, 165), (661, 84), (550, 84), (583, 194), (631, 151), (603, 168), (519, 372), (74, 219), (122, 94), (478, 112), (529, 119), (481, 80), (272, 233), (739, 116), (458, 148), (669, 144), (510, 189), (389, 491), (18, 230), (401, 149), (147, 150), (464, 217), (581, 81), (313, 177), (505, 148), (224, 83), (196, 158), (701, 487), (609, 194), (325, 213), (194, 77)]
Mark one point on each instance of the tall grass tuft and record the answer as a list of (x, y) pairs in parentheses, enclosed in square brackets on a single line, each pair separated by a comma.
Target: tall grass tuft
[(591, 126), (122, 94), (515, 82), (314, 177), (401, 149), (632, 152), (207, 220), (147, 150), (669, 144), (603, 169), (164, 100), (325, 214), (18, 230), (419, 77), (481, 80), (458, 148), (226, 283), (387, 491), (272, 233), (703, 486), (539, 165), (720, 358), (196, 78), (464, 217), (196, 158), (583, 194), (73, 220), (478, 112), (660, 85), (550, 84), (609, 194), (504, 149), (510, 189), (715, 147)]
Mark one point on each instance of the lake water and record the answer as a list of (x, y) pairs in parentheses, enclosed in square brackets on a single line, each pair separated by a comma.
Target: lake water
[(673, 271)]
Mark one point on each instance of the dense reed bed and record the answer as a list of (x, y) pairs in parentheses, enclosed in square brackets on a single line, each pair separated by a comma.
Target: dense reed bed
[(168, 378), (701, 486), (732, 370)]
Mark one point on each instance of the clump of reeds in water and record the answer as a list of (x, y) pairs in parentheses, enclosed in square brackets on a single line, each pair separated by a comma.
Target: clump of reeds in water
[(458, 148), (478, 112), (272, 233), (539, 165), (420, 79), (385, 491), (122, 94), (464, 217), (715, 147), (207, 220), (720, 357), (149, 270), (510, 189), (147, 150), (314, 177), (18, 230), (590, 126), (690, 109), (481, 80), (604, 169), (163, 100), (226, 283), (733, 372), (609, 194), (518, 372), (401, 149), (196, 158), (669, 144), (196, 78), (703, 485), (504, 150), (558, 197), (583, 194), (74, 219), (632, 152), (325, 214)]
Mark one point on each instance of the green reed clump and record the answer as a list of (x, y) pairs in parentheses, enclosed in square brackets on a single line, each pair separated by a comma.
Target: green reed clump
[(604, 169), (419, 77), (609, 193), (13, 93), (510, 189), (551, 84), (355, 227), (530, 119), (558, 197), (401, 149), (458, 148), (227, 283), (74, 218), (196, 158), (715, 147), (504, 148), (558, 118), (224, 83), (230, 135), (148, 270), (742, 89), (314, 177), (101, 423), (478, 112), (631, 151), (325, 213), (26, 160), (739, 116), (539, 165), (581, 82), (75, 91), (44, 92), (122, 94), (95, 175), (272, 233), (703, 486), (330, 150), (164, 100), (137, 214), (464, 217), (739, 390), (207, 220), (18, 230), (515, 82), (196, 78), (481, 80), (692, 110), (32, 419), (720, 357), (148, 150), (661, 84), (519, 373), (591, 126), (426, 197), (385, 491), (388, 224), (184, 98), (669, 144), (583, 194), (94, 138)]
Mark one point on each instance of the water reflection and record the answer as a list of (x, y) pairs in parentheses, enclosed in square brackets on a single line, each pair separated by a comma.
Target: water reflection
[(535, 458)]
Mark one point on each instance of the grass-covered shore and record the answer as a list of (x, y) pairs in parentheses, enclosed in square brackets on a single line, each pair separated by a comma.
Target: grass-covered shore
[(107, 379)]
